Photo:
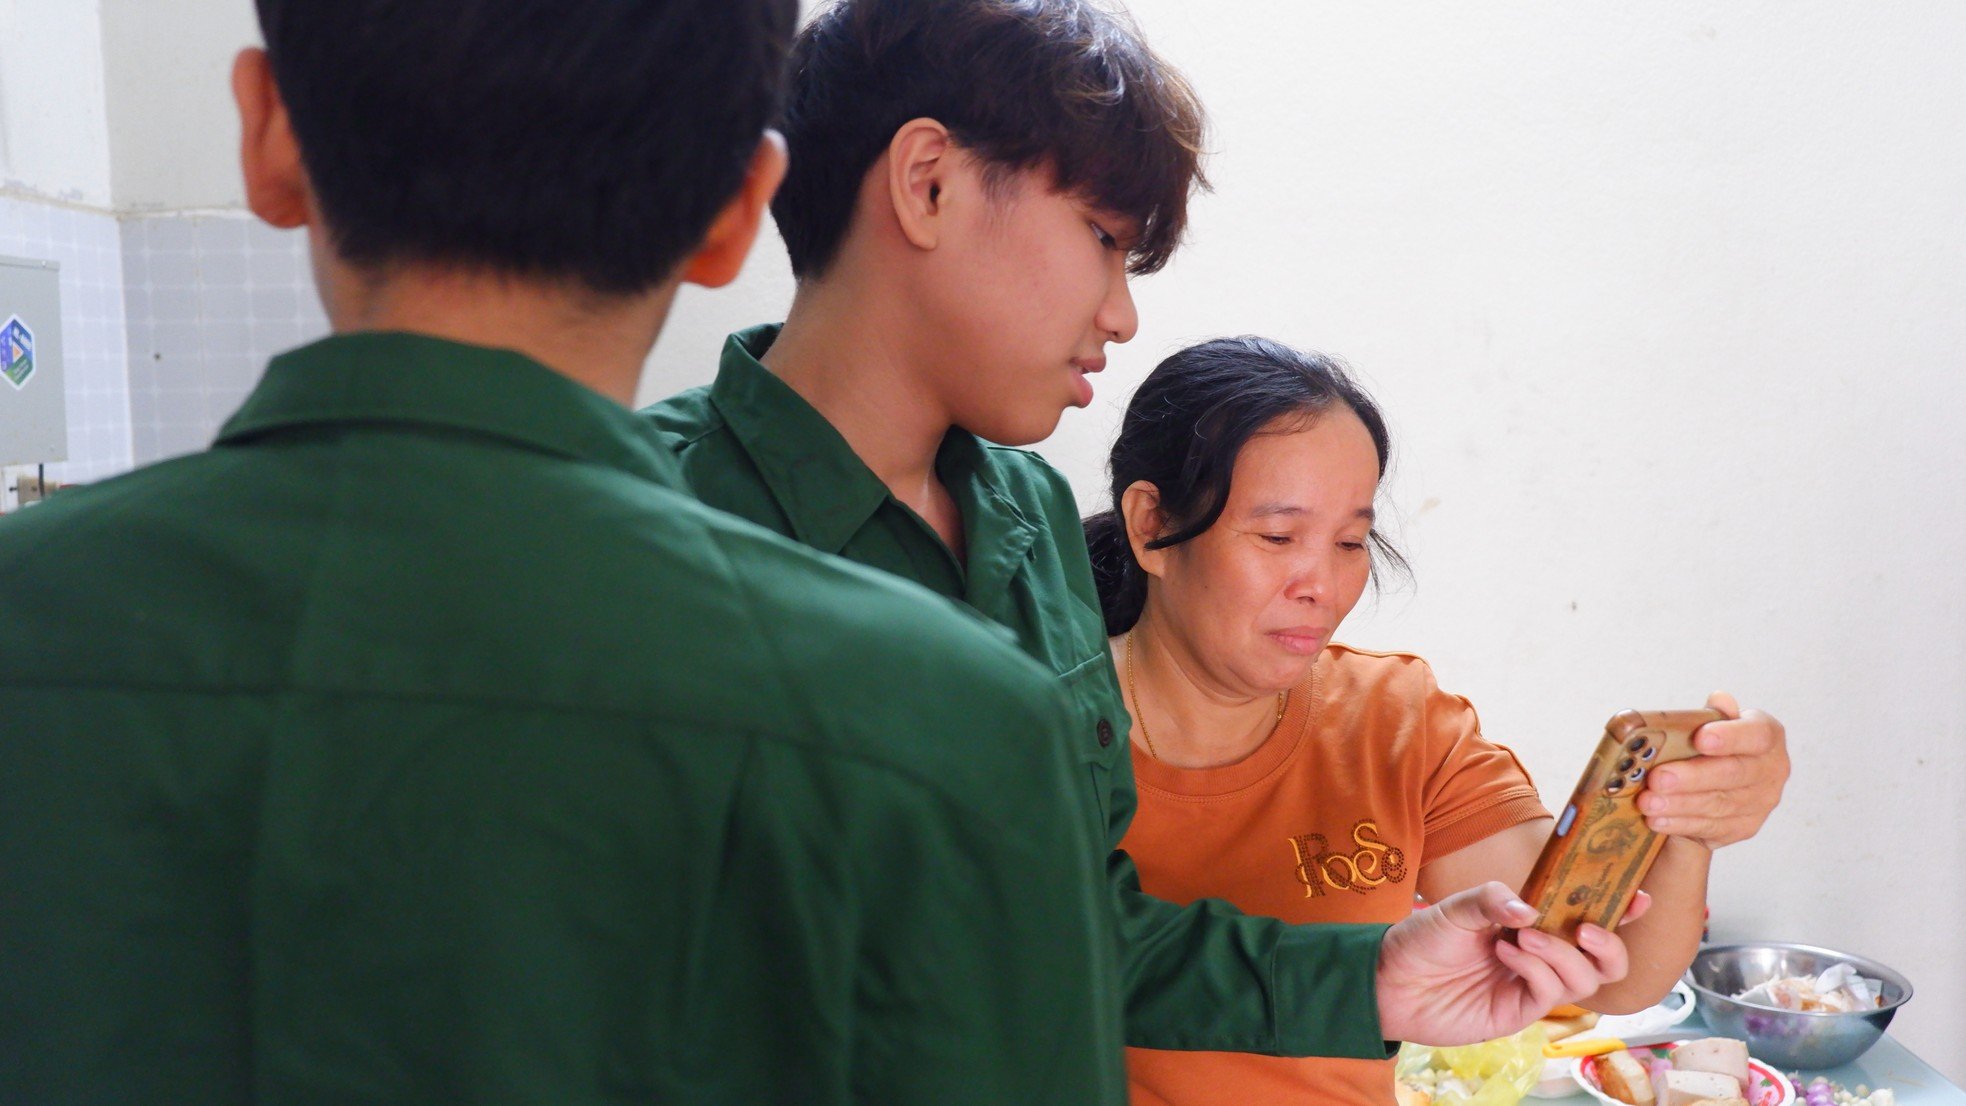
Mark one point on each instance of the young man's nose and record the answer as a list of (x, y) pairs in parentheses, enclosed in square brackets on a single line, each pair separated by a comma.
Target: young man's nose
[(1118, 318)]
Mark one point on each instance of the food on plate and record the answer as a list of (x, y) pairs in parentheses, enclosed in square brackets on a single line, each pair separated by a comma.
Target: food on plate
[(1840, 990), (1681, 1088), (1724, 1055), (1406, 1094), (1709, 1072), (1625, 1079), (1556, 1028)]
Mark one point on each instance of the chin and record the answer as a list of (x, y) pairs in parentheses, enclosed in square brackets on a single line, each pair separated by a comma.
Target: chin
[(1014, 428), (1292, 672)]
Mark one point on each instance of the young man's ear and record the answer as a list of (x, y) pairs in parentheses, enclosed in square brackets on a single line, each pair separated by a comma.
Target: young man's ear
[(917, 168), (728, 242), (1140, 508), (276, 182)]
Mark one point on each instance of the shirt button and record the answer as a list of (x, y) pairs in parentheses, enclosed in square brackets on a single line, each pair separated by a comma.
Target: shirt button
[(1105, 729)]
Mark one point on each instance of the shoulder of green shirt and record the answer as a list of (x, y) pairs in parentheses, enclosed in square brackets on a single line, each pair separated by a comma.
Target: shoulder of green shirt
[(684, 418), (704, 613)]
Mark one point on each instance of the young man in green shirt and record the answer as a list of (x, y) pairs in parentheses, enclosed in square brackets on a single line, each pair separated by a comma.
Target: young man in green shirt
[(424, 741), (972, 183)]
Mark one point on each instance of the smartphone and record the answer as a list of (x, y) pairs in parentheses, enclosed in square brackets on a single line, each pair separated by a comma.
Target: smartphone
[(1601, 848)]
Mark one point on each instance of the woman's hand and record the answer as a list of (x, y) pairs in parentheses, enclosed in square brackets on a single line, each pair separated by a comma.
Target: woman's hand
[(1726, 794)]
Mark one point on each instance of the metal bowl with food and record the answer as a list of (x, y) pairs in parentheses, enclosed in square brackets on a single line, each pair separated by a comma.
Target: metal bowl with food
[(1806, 1039)]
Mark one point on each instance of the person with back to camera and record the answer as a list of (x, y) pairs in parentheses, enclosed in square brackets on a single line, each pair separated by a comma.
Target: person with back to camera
[(424, 741), (1307, 780), (972, 184)]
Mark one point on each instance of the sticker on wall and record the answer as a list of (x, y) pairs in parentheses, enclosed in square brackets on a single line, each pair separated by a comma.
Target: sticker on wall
[(16, 352)]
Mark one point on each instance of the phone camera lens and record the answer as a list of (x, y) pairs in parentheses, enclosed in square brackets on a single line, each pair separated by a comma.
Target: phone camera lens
[(1636, 775), (1625, 765), (1614, 787), (1635, 744), (1647, 753)]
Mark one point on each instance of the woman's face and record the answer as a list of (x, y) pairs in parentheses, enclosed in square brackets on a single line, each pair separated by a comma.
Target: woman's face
[(1254, 598)]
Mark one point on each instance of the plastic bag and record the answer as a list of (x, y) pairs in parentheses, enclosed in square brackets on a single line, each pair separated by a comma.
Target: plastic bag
[(1493, 1073)]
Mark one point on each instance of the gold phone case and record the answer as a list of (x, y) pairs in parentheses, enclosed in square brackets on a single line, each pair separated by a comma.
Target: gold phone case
[(1601, 848)]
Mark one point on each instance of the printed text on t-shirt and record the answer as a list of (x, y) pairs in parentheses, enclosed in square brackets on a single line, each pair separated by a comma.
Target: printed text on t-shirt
[(1374, 863)]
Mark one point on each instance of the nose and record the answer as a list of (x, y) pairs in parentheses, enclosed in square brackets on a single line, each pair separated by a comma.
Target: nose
[(1310, 581), (1118, 318)]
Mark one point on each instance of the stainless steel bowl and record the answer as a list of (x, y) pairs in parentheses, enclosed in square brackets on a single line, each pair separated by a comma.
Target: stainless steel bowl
[(1790, 1038)]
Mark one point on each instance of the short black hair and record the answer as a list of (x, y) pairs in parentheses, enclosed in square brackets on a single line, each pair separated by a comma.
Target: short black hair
[(583, 140), (1183, 431), (1022, 83)]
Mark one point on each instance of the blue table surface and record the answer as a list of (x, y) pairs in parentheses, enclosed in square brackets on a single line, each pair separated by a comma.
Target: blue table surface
[(1887, 1064)]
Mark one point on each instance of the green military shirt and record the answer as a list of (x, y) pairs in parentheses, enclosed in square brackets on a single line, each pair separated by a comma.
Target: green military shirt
[(420, 742), (1202, 976)]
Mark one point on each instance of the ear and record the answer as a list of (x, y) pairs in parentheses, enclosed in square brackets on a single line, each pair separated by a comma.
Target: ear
[(269, 157), (917, 168), (728, 242), (1140, 507)]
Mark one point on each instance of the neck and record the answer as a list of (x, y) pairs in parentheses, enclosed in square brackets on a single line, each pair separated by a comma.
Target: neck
[(849, 354), (1193, 721), (596, 340)]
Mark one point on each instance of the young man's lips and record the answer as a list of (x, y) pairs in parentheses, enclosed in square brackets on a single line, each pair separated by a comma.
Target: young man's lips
[(1081, 388)]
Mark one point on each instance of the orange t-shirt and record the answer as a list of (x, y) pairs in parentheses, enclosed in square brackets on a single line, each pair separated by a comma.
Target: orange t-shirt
[(1372, 772)]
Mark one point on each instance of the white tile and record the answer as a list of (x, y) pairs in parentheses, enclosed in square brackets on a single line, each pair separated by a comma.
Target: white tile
[(175, 440), (227, 268), (174, 269), (170, 234), (220, 234), (225, 307)]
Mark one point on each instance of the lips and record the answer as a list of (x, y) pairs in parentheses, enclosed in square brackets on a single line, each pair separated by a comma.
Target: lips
[(1302, 640), (1081, 387)]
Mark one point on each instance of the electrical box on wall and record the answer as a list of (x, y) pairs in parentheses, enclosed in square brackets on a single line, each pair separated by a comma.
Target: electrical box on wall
[(33, 400)]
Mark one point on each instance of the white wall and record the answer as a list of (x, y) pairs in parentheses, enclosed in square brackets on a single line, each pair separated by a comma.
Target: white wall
[(171, 125), (54, 135)]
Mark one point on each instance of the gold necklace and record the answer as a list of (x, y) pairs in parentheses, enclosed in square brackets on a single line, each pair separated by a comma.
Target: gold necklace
[(1133, 692)]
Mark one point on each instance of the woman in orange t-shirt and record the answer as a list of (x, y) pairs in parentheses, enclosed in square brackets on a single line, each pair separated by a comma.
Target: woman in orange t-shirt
[(1310, 781)]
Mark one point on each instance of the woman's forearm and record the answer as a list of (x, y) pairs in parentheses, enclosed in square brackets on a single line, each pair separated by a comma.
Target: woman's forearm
[(1662, 943)]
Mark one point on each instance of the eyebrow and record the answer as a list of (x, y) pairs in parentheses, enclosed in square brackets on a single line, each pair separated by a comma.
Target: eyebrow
[(1272, 510)]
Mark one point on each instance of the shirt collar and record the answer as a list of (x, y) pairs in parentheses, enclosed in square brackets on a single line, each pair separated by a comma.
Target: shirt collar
[(826, 491), (997, 532), (376, 377)]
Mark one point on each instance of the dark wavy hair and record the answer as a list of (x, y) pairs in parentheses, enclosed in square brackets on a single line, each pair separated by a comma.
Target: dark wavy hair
[(1183, 431), (1068, 84)]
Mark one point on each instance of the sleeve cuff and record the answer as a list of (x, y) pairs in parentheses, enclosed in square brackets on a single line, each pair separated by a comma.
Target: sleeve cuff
[(1324, 984)]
